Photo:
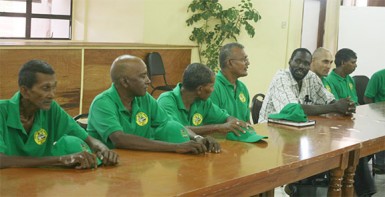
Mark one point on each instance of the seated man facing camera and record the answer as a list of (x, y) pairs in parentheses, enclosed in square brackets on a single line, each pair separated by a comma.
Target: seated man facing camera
[(321, 63), (35, 131), (189, 104), (125, 116), (298, 85)]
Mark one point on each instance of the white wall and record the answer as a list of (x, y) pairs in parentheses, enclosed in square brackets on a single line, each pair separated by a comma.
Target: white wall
[(277, 34), (112, 21), (362, 29), (163, 22)]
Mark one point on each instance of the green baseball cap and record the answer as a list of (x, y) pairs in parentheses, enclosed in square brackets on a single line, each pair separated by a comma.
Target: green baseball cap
[(292, 112), (249, 136), (172, 132), (69, 145)]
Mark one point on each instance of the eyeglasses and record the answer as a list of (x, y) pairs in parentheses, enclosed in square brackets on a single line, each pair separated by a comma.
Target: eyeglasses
[(245, 60)]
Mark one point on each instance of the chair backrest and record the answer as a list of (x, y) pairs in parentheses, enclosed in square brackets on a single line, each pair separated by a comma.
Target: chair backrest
[(82, 120), (155, 64), (361, 83), (256, 105)]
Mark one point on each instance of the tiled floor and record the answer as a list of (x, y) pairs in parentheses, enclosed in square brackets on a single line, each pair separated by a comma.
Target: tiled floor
[(379, 180), (380, 183)]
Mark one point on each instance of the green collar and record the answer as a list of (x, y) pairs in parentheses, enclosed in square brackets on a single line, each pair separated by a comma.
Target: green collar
[(13, 119), (178, 96), (179, 101), (113, 93), (338, 77), (220, 77)]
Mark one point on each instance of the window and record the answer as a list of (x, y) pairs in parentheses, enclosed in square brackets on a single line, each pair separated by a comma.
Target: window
[(363, 3), (358, 3), (36, 19)]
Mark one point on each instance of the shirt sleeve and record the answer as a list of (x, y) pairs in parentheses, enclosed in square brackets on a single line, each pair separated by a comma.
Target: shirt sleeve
[(248, 104), (323, 95), (159, 116), (104, 118), (332, 88), (215, 96), (3, 147), (215, 115), (66, 124), (3, 126), (372, 87), (326, 84), (168, 103), (282, 93)]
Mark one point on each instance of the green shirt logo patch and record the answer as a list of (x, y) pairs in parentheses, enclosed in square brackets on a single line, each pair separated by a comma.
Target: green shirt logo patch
[(328, 88), (184, 133), (141, 119), (197, 119), (242, 97), (40, 136), (351, 86)]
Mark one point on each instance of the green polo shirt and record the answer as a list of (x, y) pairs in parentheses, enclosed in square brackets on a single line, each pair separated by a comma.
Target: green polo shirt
[(236, 103), (326, 84), (342, 87), (107, 114), (201, 112), (376, 86), (48, 127)]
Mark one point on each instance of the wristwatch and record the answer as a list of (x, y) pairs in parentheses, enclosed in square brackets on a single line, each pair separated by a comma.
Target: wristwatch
[(198, 137)]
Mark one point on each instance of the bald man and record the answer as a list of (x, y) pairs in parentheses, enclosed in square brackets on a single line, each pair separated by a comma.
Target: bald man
[(297, 85), (321, 63), (125, 116)]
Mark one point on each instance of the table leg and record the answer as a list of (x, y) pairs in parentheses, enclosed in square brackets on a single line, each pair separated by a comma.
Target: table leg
[(336, 176), (347, 189), (335, 182), (269, 193)]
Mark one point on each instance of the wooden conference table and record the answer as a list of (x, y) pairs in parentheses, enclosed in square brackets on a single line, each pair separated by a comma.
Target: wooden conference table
[(368, 126), (241, 169)]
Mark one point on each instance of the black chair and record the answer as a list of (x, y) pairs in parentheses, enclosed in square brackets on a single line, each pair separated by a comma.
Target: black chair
[(361, 83), (256, 105), (82, 120), (155, 67)]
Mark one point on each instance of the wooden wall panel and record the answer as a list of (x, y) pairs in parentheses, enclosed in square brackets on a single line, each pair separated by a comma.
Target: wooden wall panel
[(67, 66), (97, 64)]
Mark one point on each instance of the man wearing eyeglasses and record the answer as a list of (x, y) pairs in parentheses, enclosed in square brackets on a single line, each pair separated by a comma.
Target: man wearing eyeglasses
[(230, 93)]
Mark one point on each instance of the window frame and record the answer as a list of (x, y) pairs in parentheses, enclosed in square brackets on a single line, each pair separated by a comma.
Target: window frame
[(28, 15)]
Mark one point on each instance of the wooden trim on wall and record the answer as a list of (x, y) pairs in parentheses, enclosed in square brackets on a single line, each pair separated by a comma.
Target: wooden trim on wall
[(83, 65), (321, 24), (66, 63)]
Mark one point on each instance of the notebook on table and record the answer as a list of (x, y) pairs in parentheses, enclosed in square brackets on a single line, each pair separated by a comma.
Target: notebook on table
[(292, 123)]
